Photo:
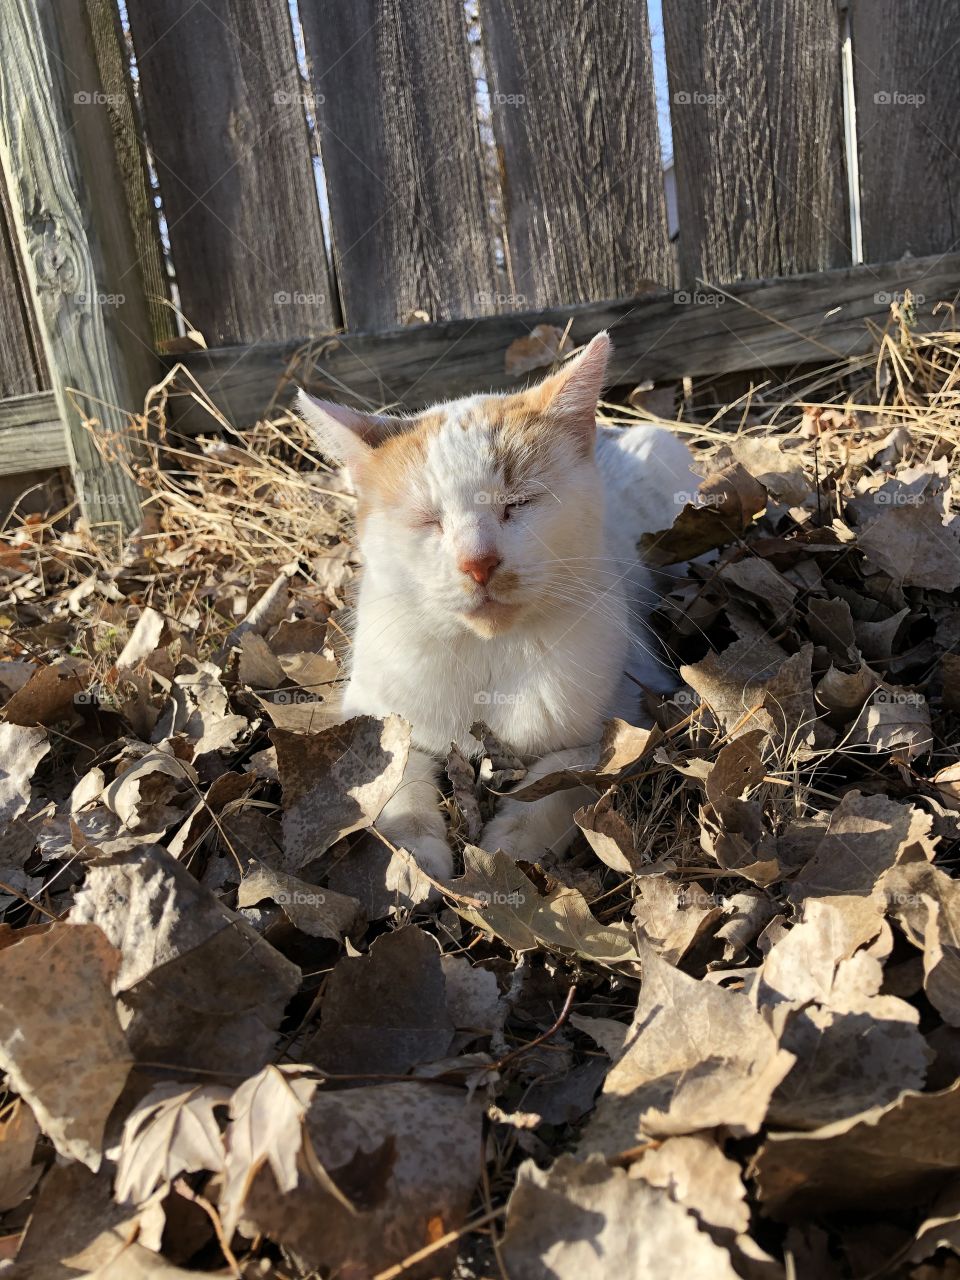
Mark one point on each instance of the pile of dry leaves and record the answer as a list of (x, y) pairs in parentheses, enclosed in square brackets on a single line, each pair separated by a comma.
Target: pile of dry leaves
[(240, 1034)]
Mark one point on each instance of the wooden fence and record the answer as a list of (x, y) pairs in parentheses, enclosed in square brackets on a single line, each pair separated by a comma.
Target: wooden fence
[(345, 167)]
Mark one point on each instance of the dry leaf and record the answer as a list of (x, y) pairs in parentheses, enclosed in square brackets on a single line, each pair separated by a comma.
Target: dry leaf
[(318, 912), (586, 1221), (337, 781), (54, 983), (542, 347), (179, 944), (21, 750), (404, 1155), (384, 1012), (172, 1131), (510, 907), (697, 1056)]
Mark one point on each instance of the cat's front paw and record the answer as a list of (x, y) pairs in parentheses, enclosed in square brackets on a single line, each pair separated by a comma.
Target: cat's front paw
[(432, 855), (513, 831)]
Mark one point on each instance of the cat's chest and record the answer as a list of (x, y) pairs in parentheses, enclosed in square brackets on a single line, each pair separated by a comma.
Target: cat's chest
[(530, 694)]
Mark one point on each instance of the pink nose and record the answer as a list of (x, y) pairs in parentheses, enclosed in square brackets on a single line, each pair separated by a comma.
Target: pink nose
[(479, 568)]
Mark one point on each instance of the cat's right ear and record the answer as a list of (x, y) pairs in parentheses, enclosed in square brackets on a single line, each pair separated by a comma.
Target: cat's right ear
[(346, 435)]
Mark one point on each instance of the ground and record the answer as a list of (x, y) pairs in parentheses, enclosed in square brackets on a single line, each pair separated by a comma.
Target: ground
[(241, 1034)]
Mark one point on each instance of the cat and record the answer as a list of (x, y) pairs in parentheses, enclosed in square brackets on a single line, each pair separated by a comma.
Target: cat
[(501, 582)]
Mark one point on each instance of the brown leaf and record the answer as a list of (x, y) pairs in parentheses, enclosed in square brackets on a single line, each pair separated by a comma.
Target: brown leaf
[(673, 916), (721, 510), (318, 912), (144, 639), (510, 908), (854, 1047), (266, 1128), (18, 1139), (926, 901), (176, 939), (337, 781), (887, 1157), (404, 1155), (21, 750), (460, 774), (54, 983), (609, 834), (697, 1056), (908, 539), (48, 696), (866, 836), (542, 347), (384, 1012), (585, 1221), (779, 472), (172, 1131)]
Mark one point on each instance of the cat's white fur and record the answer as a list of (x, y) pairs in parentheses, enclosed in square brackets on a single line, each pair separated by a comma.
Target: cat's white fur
[(545, 665)]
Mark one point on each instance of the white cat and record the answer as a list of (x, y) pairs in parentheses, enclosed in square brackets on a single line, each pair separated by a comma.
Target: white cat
[(501, 582)]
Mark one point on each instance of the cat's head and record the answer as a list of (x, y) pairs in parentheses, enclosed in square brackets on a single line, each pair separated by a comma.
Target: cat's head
[(482, 510)]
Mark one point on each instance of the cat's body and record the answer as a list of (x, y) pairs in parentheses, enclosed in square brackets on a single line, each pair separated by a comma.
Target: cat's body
[(501, 583)]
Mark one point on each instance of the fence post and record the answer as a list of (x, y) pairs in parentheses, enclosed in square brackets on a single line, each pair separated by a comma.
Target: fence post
[(58, 158)]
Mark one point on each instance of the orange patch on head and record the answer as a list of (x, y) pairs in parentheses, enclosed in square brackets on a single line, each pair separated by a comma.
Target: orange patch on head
[(384, 475)]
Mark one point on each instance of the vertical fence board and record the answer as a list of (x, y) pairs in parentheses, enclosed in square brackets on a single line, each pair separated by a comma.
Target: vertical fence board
[(755, 99), (575, 116), (224, 107), (401, 156), (57, 154), (109, 44), (22, 367), (907, 79)]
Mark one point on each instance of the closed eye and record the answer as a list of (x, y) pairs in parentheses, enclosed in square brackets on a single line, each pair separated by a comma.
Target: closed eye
[(515, 503), (429, 522)]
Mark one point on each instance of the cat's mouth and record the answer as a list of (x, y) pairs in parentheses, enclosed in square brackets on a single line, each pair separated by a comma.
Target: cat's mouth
[(487, 615)]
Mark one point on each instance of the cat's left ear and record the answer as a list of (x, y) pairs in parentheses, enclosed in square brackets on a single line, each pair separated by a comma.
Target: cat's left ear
[(569, 397), (342, 433)]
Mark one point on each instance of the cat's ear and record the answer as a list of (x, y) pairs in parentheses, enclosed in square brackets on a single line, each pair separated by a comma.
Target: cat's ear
[(569, 397), (342, 433)]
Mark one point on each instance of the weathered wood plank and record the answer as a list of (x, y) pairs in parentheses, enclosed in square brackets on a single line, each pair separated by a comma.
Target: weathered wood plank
[(32, 436), (224, 107), (817, 317), (57, 153), (755, 99), (22, 367), (401, 158), (907, 84), (103, 19), (575, 115)]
